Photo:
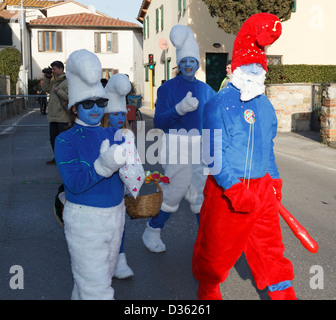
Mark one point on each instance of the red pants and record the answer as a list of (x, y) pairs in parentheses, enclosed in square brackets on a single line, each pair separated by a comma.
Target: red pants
[(224, 234)]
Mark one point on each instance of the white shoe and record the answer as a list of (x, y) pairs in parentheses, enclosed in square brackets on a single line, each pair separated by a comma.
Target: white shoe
[(122, 270), (152, 239)]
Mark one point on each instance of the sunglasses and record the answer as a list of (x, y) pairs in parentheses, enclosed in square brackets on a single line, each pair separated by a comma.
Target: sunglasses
[(88, 104)]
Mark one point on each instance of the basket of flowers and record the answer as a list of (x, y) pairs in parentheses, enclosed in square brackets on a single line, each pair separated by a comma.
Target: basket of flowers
[(147, 205)]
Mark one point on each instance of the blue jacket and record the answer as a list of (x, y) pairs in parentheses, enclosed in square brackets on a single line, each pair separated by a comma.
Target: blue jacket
[(229, 147), (75, 152), (170, 94)]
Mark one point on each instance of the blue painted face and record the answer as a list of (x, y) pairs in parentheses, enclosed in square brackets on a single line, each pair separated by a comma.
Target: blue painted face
[(254, 69), (91, 116), (117, 119), (188, 67)]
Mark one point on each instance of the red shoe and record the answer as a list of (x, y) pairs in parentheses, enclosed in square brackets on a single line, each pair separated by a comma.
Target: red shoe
[(209, 292), (287, 294)]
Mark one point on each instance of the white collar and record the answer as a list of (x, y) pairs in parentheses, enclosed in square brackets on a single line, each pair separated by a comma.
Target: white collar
[(82, 123)]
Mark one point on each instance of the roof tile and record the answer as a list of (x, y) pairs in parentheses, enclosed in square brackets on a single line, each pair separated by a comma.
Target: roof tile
[(84, 20)]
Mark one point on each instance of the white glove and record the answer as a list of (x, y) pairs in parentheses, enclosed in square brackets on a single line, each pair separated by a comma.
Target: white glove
[(188, 104), (111, 158)]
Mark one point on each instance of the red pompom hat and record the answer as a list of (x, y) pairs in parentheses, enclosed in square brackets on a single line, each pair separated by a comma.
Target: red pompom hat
[(257, 32)]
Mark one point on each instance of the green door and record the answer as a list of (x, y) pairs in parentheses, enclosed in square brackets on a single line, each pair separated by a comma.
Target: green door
[(215, 69)]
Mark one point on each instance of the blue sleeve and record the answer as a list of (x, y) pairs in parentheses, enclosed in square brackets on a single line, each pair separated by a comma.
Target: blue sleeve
[(78, 176), (216, 139), (165, 112), (272, 167)]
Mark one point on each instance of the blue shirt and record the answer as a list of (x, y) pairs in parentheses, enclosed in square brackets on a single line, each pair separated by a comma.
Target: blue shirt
[(170, 94), (241, 147), (75, 152)]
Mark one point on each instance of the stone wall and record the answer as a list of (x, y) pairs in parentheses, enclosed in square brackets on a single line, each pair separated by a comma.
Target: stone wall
[(4, 85), (293, 105), (328, 114)]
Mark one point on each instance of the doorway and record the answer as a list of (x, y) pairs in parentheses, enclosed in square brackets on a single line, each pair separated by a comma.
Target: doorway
[(215, 69)]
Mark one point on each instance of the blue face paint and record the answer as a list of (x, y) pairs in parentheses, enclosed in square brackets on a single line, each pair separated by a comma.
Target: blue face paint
[(254, 69), (188, 67), (117, 119), (91, 116)]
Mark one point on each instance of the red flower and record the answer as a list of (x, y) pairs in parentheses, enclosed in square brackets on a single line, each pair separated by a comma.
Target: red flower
[(165, 179)]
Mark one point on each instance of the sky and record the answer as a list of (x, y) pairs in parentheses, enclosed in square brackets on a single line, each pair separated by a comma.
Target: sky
[(126, 10)]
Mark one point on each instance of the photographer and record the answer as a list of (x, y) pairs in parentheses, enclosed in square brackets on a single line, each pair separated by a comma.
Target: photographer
[(55, 83)]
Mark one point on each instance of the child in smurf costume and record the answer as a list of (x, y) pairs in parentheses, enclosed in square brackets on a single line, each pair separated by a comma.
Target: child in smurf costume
[(179, 113), (88, 158), (116, 90), (240, 209)]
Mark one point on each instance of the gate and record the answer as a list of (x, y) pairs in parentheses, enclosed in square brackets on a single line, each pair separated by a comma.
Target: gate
[(315, 119)]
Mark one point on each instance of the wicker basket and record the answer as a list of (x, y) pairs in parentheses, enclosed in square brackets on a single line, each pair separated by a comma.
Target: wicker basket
[(145, 206)]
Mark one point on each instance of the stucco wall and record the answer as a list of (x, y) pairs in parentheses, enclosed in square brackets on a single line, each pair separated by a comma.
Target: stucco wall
[(309, 36)]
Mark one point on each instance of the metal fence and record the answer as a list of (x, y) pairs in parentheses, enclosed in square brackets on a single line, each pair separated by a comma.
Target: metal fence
[(13, 105)]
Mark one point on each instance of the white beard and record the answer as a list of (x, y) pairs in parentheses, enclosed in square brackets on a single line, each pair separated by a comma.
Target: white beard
[(250, 86)]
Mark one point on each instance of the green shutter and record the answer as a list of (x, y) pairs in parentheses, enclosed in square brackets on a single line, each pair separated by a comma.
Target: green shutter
[(144, 29), (162, 17), (146, 73), (147, 27), (157, 19), (179, 6)]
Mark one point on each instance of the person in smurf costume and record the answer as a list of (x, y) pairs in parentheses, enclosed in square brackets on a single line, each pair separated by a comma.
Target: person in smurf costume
[(88, 158), (240, 209), (179, 113), (116, 90)]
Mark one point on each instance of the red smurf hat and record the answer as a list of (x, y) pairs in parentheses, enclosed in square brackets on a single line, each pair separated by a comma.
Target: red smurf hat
[(257, 32)]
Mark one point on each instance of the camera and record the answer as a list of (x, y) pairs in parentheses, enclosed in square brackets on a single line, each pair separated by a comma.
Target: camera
[(47, 70)]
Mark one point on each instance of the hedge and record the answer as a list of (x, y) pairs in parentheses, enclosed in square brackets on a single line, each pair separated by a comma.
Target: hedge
[(300, 73), (10, 62)]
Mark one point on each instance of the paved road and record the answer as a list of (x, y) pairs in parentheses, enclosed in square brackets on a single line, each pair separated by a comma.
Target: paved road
[(31, 237)]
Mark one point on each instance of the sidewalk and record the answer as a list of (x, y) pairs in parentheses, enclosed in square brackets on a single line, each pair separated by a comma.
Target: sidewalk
[(305, 146)]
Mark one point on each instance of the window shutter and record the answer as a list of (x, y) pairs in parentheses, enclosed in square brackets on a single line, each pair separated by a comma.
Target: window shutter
[(162, 17), (115, 42), (144, 30), (96, 42), (41, 45), (184, 4), (179, 6), (147, 27), (59, 47), (157, 19)]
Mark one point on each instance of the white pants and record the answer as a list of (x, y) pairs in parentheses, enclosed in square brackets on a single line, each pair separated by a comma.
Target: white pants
[(182, 163), (94, 237)]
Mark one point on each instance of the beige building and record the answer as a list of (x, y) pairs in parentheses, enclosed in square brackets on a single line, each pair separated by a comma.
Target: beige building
[(306, 39)]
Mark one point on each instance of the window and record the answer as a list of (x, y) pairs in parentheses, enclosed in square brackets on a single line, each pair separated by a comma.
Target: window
[(144, 29), (274, 60), (147, 27), (50, 41), (182, 5), (161, 8), (108, 73), (159, 18), (106, 42), (6, 34)]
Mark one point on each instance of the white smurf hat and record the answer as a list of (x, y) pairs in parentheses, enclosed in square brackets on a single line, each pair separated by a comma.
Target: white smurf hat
[(116, 90), (183, 39), (83, 72)]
